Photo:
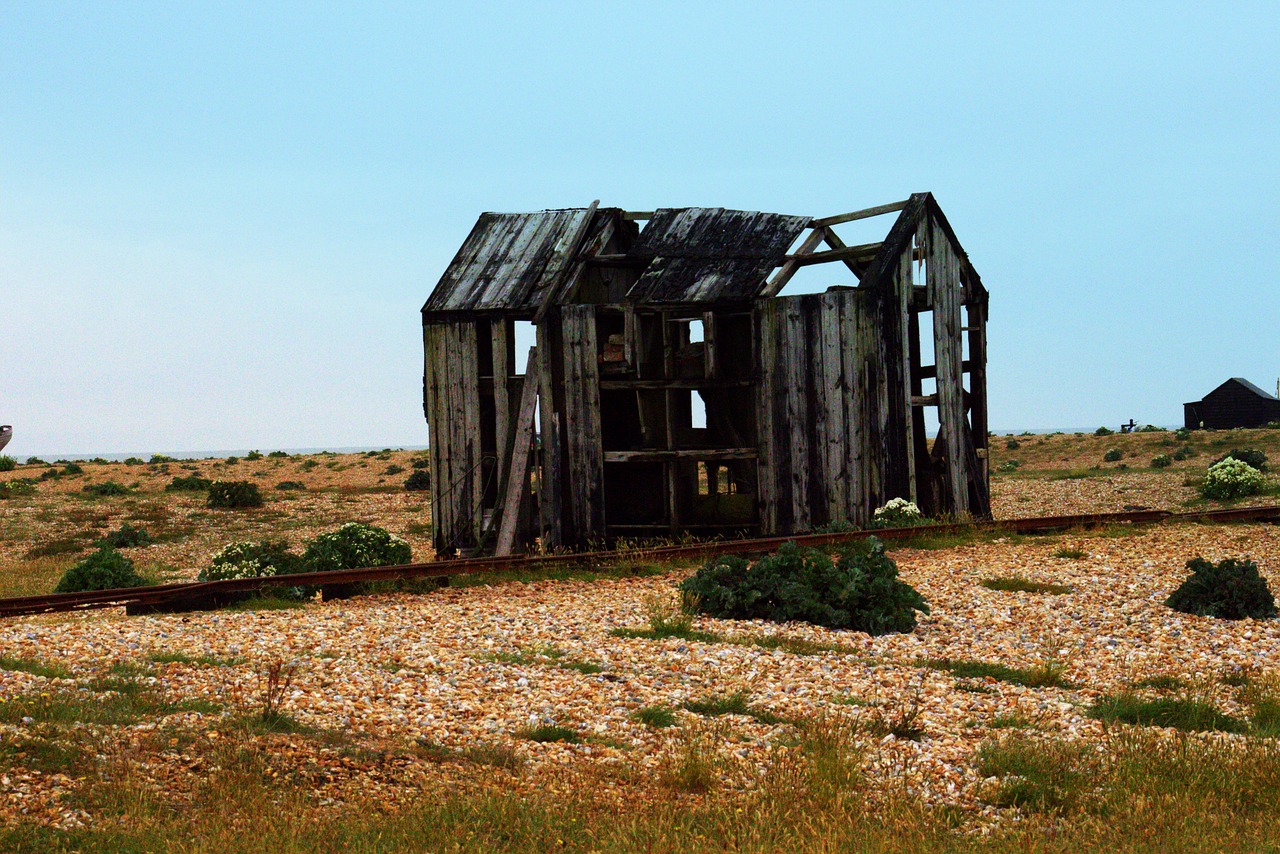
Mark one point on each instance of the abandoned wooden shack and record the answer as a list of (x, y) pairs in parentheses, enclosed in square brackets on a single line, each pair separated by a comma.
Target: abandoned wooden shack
[(1235, 403), (671, 388)]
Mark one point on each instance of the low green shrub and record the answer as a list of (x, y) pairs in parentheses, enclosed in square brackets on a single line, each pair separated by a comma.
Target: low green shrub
[(277, 455), (105, 569), (307, 465), (394, 469), (253, 456), (1231, 478), (291, 485), (234, 494), (1182, 434), (418, 481), (157, 459), (1183, 453), (7, 463), (127, 537), (36, 461), (420, 463), (191, 483), (860, 590), (133, 461), (50, 474), (1112, 455), (1010, 465), (1103, 431), (1187, 714), (1012, 444), (355, 545), (1229, 590), (1163, 461), (107, 488), (72, 468)]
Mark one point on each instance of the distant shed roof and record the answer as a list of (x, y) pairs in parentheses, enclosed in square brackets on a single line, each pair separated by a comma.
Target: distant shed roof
[(1253, 388)]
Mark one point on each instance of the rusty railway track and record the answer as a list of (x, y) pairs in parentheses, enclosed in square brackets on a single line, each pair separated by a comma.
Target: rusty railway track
[(203, 595)]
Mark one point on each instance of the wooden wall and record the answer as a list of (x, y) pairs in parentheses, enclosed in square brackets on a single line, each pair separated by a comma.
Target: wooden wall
[(451, 399)]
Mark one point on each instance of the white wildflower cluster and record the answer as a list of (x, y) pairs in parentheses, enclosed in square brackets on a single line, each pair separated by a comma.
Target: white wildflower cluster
[(236, 560), (899, 508), (1232, 478)]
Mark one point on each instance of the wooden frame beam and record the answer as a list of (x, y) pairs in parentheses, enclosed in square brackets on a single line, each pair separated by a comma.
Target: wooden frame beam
[(791, 265), (849, 253), (862, 214)]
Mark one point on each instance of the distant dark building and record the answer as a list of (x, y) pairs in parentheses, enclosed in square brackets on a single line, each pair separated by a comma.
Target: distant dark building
[(1235, 403)]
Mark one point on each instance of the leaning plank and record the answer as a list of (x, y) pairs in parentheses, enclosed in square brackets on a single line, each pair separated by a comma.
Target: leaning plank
[(571, 264), (518, 466)]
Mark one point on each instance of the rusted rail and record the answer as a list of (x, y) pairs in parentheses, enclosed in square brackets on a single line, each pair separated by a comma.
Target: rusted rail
[(210, 594)]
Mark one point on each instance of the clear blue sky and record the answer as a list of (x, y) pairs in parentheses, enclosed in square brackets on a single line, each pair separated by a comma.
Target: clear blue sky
[(218, 221)]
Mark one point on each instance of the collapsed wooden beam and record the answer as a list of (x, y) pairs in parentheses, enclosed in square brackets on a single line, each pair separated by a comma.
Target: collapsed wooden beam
[(849, 253), (790, 266)]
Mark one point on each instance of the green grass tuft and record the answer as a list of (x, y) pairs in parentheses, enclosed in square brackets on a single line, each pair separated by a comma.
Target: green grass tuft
[(1019, 584), (658, 717), (1187, 714)]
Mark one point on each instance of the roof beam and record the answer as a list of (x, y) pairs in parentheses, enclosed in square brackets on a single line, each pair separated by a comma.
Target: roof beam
[(791, 265), (571, 264), (862, 214), (849, 253), (634, 216)]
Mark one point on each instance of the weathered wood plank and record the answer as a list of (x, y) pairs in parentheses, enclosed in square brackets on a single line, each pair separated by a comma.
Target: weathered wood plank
[(500, 334), (681, 454), (516, 486), (766, 473), (549, 507), (799, 425), (791, 267), (582, 423), (944, 286), (571, 265), (831, 390)]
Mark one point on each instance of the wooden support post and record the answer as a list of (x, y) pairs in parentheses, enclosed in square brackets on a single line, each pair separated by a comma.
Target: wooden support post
[(517, 467)]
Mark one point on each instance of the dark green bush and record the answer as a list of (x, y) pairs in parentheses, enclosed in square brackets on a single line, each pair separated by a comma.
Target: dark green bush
[(72, 468), (107, 488), (157, 459), (355, 545), (1112, 455), (307, 465), (191, 483), (278, 455), (1183, 453), (418, 481), (36, 461), (287, 485), (50, 474), (127, 537), (1162, 462), (420, 463), (1182, 434), (1013, 444), (133, 461), (1249, 456), (105, 569), (233, 494), (860, 590), (7, 463), (253, 456), (1230, 590), (1103, 431), (394, 469)]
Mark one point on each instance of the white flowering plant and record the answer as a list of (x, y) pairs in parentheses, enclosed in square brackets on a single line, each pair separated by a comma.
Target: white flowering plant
[(1231, 478), (251, 560), (897, 513)]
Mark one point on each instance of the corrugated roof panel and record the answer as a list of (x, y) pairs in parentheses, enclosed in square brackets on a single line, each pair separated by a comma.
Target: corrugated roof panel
[(507, 262)]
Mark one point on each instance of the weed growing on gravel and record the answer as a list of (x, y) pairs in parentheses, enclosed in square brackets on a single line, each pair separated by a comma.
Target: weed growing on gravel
[(899, 717), (737, 703), (1071, 554), (275, 679), (1047, 674), (550, 732), (1035, 774), (1020, 584), (34, 667), (193, 660), (1162, 683), (545, 655), (1189, 714), (695, 765), (658, 717)]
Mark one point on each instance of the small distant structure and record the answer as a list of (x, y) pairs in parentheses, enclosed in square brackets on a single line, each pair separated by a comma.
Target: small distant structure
[(1235, 403), (814, 404)]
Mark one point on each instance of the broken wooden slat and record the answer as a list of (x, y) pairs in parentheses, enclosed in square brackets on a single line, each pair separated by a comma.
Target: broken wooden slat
[(681, 454), (848, 253), (790, 267), (571, 265), (517, 466)]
